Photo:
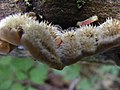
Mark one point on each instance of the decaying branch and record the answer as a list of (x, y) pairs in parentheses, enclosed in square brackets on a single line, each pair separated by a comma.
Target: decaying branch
[(54, 46), (66, 14)]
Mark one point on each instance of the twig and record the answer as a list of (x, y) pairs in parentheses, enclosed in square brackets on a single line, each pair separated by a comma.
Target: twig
[(74, 83)]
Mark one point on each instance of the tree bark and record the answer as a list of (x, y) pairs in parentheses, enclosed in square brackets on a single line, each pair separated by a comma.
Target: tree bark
[(66, 13), (63, 12)]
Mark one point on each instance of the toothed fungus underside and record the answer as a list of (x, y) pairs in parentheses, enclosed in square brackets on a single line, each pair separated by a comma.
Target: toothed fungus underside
[(76, 44)]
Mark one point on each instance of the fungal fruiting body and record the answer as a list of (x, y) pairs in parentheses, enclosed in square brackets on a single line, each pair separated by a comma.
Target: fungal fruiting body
[(52, 45), (88, 40), (38, 38)]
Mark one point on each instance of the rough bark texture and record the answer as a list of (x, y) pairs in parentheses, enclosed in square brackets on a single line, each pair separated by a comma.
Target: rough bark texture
[(66, 14)]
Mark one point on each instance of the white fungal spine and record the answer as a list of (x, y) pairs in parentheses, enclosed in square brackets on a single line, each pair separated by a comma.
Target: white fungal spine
[(43, 32), (88, 40), (78, 43)]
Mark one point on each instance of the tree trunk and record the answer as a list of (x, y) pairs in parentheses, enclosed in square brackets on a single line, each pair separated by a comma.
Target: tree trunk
[(63, 12), (67, 12)]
